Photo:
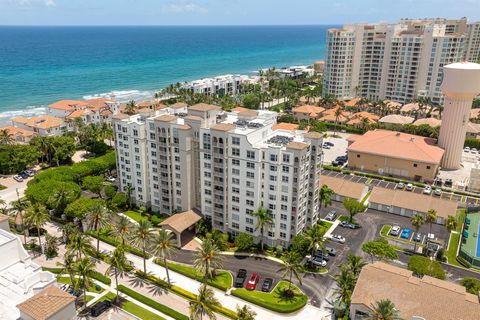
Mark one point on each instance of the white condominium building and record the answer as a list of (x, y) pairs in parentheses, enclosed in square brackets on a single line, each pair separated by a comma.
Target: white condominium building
[(399, 62), (226, 165), (221, 85)]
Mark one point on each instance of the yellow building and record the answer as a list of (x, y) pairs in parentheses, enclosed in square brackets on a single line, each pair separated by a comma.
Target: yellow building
[(395, 154)]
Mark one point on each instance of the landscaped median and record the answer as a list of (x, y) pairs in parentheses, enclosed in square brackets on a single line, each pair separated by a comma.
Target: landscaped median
[(223, 279), (95, 275), (182, 292), (275, 300), (114, 242), (152, 303), (132, 308)]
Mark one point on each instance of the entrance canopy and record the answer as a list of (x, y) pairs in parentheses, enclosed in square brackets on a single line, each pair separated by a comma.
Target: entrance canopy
[(180, 222)]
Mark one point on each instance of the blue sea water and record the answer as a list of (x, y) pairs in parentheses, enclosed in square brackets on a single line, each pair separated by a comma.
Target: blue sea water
[(39, 65)]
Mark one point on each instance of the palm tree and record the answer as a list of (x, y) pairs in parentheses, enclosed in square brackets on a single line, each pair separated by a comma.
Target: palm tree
[(68, 231), (68, 266), (96, 219), (141, 236), (117, 264), (263, 220), (292, 266), (17, 210), (245, 313), (122, 228), (163, 246), (364, 123), (325, 194), (345, 281), (130, 107), (5, 137), (417, 221), (129, 190), (60, 200), (355, 264), (207, 259), (337, 114), (384, 310), (314, 238), (203, 304), (451, 223), (84, 269), (79, 244), (431, 218), (51, 245), (37, 215)]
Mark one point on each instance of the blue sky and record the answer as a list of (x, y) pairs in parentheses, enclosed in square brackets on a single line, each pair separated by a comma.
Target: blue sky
[(227, 12)]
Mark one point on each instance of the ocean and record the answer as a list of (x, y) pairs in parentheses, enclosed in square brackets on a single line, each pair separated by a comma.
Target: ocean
[(39, 65)]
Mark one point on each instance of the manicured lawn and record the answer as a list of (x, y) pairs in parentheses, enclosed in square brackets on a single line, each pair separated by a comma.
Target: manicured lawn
[(325, 224), (92, 288), (139, 312), (274, 300), (385, 230), (2, 187), (134, 215), (223, 280), (455, 238)]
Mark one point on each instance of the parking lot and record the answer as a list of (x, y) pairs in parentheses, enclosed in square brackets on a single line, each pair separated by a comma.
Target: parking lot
[(393, 185), (339, 148)]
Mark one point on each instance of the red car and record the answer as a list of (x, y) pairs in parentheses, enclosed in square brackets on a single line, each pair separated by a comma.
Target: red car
[(252, 283)]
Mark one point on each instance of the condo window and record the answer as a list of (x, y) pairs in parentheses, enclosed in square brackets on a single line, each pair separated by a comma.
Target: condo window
[(236, 141), (358, 156), (414, 165)]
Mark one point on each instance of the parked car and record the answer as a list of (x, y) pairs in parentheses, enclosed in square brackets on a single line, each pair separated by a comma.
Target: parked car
[(438, 182), (111, 179), (400, 185), (343, 224), (427, 189), (30, 173), (322, 255), (100, 307), (24, 175), (448, 183), (240, 279), (317, 261), (331, 251), (474, 150), (253, 281), (409, 187), (406, 233), (325, 146), (417, 237), (467, 149), (331, 215), (438, 192), (338, 238), (267, 284), (328, 143), (395, 231), (353, 226), (17, 178)]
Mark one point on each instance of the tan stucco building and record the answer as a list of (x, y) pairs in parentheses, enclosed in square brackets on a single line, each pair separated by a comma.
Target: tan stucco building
[(395, 154)]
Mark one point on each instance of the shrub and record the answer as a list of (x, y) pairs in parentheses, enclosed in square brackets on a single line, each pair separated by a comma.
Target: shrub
[(58, 174), (81, 206), (101, 277), (110, 191), (424, 266), (152, 303), (41, 192), (120, 200), (244, 242), (155, 220)]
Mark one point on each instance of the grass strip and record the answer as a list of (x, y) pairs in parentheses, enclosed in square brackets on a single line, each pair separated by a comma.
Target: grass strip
[(152, 303), (275, 300)]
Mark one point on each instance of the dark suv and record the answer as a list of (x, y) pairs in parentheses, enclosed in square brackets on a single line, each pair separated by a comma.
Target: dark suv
[(322, 255), (99, 308), (240, 279)]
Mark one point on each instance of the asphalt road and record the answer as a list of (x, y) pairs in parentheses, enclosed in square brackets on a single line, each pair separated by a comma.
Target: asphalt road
[(319, 287)]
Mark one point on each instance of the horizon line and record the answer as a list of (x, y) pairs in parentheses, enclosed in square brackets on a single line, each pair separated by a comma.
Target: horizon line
[(167, 25)]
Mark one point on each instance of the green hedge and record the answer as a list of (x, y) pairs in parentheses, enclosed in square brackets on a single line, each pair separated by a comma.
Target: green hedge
[(112, 241), (52, 270), (274, 301), (222, 281), (95, 275), (152, 303)]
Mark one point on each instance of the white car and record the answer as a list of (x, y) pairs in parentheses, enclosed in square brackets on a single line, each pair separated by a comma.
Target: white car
[(401, 185), (338, 238), (395, 231), (427, 189), (467, 149), (17, 178), (438, 192), (474, 151), (111, 179), (409, 187)]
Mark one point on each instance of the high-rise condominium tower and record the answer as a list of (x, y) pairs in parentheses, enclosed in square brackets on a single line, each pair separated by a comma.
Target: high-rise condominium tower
[(399, 62)]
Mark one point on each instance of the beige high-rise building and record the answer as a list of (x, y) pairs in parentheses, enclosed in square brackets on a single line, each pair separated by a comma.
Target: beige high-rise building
[(224, 164), (399, 62)]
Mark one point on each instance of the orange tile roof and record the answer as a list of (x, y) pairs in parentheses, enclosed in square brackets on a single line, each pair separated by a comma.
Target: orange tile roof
[(223, 127), (46, 303), (204, 107), (297, 145), (285, 126), (40, 122), (79, 113), (313, 111), (66, 105), (98, 103), (352, 103), (474, 113), (165, 118), (427, 297), (398, 145), (356, 118), (313, 135), (329, 115), (178, 105), (106, 112), (18, 131), (248, 113), (181, 221), (239, 109)]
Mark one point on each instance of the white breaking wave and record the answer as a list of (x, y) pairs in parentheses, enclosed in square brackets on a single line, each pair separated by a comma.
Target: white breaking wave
[(29, 111), (123, 96)]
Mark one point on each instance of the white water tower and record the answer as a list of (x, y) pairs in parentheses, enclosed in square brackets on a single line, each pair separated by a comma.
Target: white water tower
[(461, 84)]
